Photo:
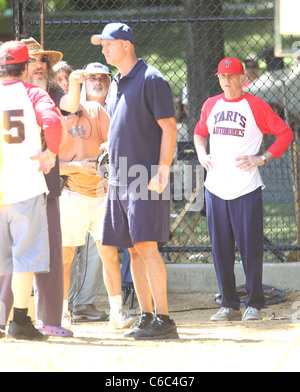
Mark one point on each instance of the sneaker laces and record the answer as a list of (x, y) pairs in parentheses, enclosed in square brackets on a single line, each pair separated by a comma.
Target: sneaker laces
[(223, 310), (160, 321), (251, 310), (156, 322), (123, 314), (142, 320)]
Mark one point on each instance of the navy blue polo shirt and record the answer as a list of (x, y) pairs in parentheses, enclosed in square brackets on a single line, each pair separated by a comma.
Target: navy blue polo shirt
[(136, 102)]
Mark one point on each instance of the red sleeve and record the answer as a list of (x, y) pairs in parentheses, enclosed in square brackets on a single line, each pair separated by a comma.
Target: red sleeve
[(47, 117), (269, 122), (201, 126)]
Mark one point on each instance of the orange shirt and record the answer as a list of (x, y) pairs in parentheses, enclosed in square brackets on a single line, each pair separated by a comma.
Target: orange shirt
[(82, 135)]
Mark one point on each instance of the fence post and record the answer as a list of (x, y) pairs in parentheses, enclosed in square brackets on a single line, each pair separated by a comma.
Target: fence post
[(42, 24), (18, 16)]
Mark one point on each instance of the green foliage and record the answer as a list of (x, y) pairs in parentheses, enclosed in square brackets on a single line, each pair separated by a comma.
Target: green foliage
[(4, 5)]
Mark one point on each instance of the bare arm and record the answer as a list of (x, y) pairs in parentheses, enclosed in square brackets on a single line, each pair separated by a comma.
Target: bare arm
[(251, 161), (46, 160), (70, 102), (167, 149), (204, 158)]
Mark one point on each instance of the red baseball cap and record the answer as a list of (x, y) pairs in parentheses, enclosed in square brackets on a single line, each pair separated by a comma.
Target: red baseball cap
[(231, 66), (13, 52)]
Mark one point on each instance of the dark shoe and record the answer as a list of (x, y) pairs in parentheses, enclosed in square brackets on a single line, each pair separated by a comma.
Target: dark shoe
[(90, 313), (143, 321), (158, 329), (26, 332), (2, 331)]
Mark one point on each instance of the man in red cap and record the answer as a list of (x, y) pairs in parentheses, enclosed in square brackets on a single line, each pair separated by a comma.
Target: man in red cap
[(236, 122), (24, 242)]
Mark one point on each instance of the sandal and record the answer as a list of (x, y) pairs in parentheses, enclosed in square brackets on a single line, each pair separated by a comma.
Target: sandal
[(53, 330)]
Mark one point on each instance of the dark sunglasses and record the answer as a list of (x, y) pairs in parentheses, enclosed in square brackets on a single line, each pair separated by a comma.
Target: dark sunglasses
[(43, 59)]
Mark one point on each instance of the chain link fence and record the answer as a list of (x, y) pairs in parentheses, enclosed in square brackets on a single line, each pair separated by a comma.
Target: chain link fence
[(185, 40)]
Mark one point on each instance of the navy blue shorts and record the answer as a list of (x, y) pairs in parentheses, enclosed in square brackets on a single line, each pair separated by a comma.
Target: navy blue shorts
[(127, 221)]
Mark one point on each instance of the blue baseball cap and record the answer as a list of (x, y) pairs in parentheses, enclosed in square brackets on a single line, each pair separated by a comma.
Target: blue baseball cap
[(113, 31)]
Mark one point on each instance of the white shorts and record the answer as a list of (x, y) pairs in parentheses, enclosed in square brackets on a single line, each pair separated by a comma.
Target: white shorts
[(80, 214), (24, 238)]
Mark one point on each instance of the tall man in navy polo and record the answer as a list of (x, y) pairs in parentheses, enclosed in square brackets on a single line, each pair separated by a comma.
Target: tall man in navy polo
[(141, 147)]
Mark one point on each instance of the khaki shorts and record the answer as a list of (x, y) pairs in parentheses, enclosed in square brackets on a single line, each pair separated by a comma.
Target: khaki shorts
[(80, 214)]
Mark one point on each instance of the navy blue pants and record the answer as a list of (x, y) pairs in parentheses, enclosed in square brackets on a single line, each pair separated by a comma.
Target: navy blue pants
[(237, 221)]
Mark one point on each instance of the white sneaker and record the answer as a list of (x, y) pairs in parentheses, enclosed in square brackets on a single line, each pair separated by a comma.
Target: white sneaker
[(227, 314), (121, 320), (252, 314)]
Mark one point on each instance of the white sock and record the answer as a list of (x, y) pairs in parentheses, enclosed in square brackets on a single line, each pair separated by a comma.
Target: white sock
[(66, 306), (115, 303)]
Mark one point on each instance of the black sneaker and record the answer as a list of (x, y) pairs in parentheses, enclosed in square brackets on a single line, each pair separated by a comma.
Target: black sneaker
[(158, 329), (26, 332), (143, 321)]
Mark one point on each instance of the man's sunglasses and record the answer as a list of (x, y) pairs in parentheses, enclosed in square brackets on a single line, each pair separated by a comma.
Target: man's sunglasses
[(43, 59)]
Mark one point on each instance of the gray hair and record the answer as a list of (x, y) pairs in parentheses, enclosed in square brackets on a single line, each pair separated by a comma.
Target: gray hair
[(62, 66)]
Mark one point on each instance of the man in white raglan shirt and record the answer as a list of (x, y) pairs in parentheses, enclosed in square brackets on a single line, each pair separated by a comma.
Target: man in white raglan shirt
[(236, 122), (24, 240)]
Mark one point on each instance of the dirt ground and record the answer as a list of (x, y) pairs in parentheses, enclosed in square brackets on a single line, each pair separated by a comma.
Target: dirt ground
[(260, 346)]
